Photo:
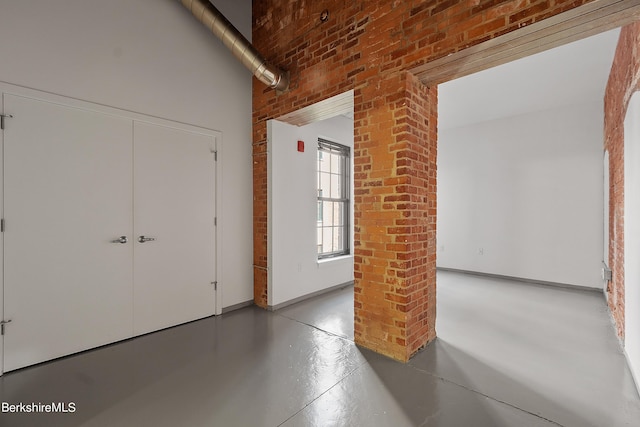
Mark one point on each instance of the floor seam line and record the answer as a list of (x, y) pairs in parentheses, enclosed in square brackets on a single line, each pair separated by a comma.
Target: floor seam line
[(315, 327), (324, 392), (485, 395)]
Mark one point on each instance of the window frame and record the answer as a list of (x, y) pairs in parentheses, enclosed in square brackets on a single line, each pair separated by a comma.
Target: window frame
[(330, 147)]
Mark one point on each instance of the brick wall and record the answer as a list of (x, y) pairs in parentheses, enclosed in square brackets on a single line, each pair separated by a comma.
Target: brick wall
[(367, 45), (623, 82), (395, 215)]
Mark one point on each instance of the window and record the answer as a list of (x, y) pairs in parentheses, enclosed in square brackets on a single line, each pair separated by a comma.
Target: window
[(333, 199)]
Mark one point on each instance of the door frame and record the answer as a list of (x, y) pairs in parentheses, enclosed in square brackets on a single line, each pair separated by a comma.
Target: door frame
[(2, 111), (11, 89)]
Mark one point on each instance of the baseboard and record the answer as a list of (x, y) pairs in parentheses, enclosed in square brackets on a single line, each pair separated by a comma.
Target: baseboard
[(237, 306), (307, 296), (636, 380), (521, 279)]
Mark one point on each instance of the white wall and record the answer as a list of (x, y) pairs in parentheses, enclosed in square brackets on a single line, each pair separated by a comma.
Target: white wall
[(294, 269), (632, 235), (150, 57), (522, 196)]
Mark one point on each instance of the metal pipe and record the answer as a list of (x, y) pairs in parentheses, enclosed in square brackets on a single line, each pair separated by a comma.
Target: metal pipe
[(239, 46)]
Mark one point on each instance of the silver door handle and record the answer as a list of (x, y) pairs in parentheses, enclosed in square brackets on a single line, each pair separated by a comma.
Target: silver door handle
[(2, 325), (122, 239), (143, 239)]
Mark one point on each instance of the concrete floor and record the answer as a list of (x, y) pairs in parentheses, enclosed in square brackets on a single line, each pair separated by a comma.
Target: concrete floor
[(508, 354)]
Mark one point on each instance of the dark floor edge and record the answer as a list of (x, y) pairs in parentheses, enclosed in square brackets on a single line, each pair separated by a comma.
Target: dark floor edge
[(523, 280), (307, 296), (237, 306)]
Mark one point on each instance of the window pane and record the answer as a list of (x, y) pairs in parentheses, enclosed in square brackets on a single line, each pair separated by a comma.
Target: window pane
[(333, 188), (324, 162), (325, 184), (327, 213), (338, 214), (339, 238), (327, 239), (335, 163)]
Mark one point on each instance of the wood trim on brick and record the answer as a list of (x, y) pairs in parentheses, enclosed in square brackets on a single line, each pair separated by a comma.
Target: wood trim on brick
[(575, 24)]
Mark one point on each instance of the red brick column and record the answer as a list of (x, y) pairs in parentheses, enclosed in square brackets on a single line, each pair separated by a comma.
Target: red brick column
[(624, 80), (395, 215), (367, 46)]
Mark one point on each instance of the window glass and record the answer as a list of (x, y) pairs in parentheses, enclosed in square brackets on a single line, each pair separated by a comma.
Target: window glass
[(333, 199)]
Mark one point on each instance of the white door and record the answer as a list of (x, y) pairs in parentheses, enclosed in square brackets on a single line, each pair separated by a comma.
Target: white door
[(67, 196), (174, 188)]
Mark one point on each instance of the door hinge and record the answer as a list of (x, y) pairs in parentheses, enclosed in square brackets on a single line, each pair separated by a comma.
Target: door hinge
[(2, 117), (2, 225), (215, 221), (4, 322), (215, 156), (215, 285)]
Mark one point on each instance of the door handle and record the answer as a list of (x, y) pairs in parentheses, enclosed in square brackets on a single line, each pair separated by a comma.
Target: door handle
[(143, 239), (122, 239), (2, 325)]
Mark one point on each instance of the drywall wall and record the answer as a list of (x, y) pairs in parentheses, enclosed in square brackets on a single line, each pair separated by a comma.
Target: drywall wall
[(294, 269), (150, 57), (632, 235), (522, 196)]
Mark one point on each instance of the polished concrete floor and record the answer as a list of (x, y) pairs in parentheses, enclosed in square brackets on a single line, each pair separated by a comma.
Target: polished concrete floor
[(508, 354)]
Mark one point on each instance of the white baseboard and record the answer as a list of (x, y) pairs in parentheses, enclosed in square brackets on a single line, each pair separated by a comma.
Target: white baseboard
[(521, 279), (307, 296)]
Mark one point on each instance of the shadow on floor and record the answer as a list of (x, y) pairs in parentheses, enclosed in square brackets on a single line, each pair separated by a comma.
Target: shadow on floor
[(300, 367), (331, 312)]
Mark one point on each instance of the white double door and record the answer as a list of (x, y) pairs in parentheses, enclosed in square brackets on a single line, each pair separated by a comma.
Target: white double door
[(83, 193)]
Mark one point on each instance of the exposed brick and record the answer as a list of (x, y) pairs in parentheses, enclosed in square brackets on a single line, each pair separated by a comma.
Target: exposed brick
[(487, 4), (623, 82), (529, 14), (367, 46)]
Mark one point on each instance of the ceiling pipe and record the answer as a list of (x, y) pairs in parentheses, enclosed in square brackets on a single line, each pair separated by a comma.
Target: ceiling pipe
[(239, 46)]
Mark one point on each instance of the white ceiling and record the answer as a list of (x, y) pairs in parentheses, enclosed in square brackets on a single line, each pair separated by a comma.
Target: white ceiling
[(571, 74)]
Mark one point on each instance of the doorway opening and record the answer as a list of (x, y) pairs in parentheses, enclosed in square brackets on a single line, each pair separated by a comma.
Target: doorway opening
[(310, 201)]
